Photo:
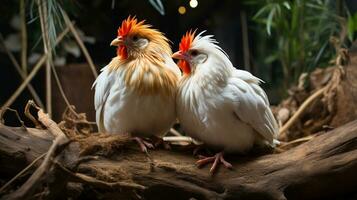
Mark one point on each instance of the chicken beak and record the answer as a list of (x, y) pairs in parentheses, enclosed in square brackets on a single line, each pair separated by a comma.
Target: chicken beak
[(180, 56), (117, 41)]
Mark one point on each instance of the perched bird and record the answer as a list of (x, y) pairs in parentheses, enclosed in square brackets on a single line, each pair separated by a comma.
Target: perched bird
[(135, 92), (218, 104)]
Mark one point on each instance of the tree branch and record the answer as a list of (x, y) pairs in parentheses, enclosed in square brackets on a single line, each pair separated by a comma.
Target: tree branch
[(313, 170)]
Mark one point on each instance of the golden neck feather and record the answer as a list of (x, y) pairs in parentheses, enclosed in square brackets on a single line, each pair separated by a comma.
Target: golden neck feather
[(147, 75), (145, 71)]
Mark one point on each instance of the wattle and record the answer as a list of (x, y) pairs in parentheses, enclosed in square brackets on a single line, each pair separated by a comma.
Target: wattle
[(184, 66), (122, 52)]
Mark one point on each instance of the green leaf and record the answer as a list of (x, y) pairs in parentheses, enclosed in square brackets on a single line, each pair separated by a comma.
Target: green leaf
[(158, 6), (277, 7), (261, 11), (350, 28), (271, 58), (287, 5), (270, 21), (318, 7), (319, 54)]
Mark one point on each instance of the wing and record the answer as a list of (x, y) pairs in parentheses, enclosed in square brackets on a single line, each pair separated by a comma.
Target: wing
[(251, 105), (102, 87)]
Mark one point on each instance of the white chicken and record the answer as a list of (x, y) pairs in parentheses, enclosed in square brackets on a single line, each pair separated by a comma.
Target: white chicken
[(218, 104), (135, 93)]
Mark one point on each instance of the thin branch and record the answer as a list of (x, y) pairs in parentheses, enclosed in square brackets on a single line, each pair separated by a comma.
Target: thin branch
[(27, 189), (32, 74), (25, 82), (331, 85), (80, 43), (245, 40), (181, 139), (299, 140), (62, 91), (23, 36), (50, 124), (21, 72), (30, 186), (302, 108), (29, 115), (2, 189), (2, 112), (42, 10), (175, 132)]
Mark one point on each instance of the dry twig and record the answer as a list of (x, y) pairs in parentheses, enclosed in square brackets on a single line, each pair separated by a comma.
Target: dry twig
[(2, 189), (23, 37), (284, 145), (69, 106), (42, 11), (80, 43), (30, 186), (327, 92), (21, 73), (301, 109), (29, 115), (32, 73), (74, 124), (2, 112)]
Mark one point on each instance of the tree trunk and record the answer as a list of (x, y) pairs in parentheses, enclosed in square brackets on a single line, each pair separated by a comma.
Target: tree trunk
[(323, 168)]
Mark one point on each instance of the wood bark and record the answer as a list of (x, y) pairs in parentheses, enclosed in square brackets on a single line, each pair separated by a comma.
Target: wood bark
[(111, 167)]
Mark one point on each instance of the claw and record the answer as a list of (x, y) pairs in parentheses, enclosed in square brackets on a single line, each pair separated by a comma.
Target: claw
[(203, 161), (216, 159), (144, 145)]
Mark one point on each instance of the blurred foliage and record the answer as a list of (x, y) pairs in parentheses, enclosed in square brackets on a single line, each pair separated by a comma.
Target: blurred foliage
[(157, 4), (53, 12), (352, 26), (287, 37), (300, 32)]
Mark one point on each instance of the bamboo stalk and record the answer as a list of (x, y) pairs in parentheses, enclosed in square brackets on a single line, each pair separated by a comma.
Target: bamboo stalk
[(80, 43), (245, 40), (23, 37), (32, 73), (42, 10), (21, 73), (25, 82)]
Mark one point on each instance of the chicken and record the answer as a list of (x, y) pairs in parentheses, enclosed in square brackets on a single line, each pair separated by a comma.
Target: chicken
[(135, 92), (221, 106)]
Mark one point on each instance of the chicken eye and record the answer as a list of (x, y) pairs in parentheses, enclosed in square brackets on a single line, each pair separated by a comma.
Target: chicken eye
[(135, 38), (194, 53)]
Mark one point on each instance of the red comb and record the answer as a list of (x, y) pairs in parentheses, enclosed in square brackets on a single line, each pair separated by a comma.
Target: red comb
[(186, 41), (126, 26)]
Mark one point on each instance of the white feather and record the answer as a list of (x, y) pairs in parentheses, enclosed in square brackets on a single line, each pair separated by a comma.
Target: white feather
[(102, 86), (222, 106), (119, 109)]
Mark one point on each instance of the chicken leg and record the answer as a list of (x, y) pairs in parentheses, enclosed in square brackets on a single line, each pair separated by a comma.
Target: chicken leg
[(216, 159)]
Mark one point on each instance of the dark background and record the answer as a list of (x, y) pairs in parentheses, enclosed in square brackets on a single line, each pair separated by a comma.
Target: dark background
[(100, 19)]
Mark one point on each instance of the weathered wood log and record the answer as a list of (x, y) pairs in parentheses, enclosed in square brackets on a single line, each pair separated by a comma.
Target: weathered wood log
[(322, 168)]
